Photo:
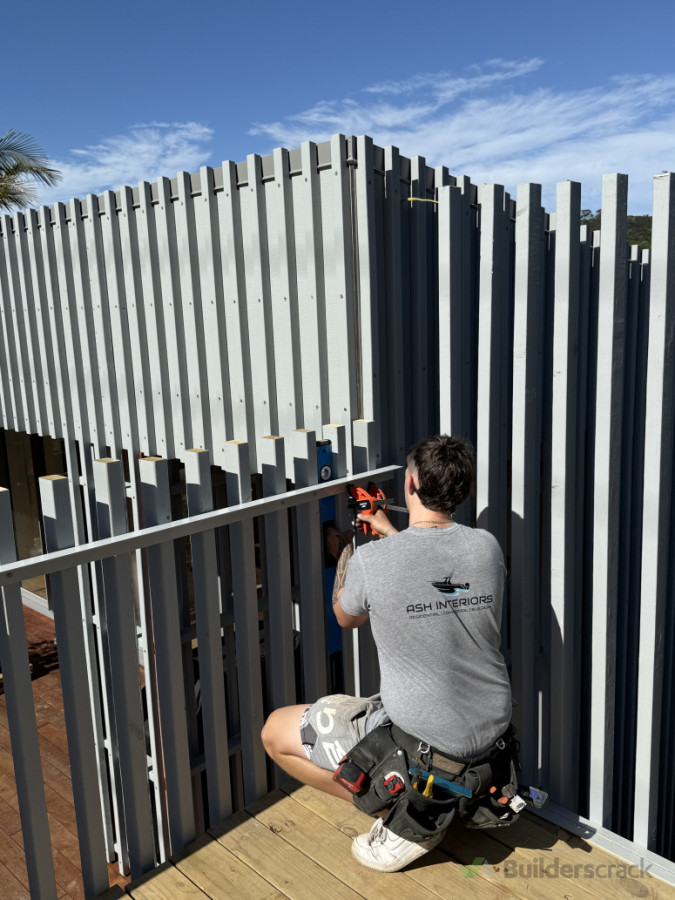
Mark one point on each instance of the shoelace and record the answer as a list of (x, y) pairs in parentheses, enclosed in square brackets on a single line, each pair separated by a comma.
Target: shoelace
[(379, 832)]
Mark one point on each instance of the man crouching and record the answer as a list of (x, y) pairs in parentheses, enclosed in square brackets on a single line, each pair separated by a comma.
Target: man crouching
[(433, 594)]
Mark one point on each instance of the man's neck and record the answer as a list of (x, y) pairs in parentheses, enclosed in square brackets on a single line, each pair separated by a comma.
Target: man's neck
[(421, 517)]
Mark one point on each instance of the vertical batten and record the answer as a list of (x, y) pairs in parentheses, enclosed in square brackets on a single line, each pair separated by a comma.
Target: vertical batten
[(140, 358), (525, 573), (564, 584), (23, 734), (44, 337), (584, 503), (608, 507), (119, 325), (397, 390), (27, 317), (366, 663), (189, 319), (302, 456), (470, 311), (628, 609), (337, 435), (235, 311), (172, 336), (657, 510), (47, 252), (277, 575), (12, 348), (492, 450), (452, 339), (214, 332), (70, 340), (62, 588), (209, 640), (117, 615), (369, 280), (101, 323), (284, 296), (311, 294), (84, 343), (161, 574), (421, 311), (340, 300), (157, 389), (254, 232), (247, 630), (6, 393)]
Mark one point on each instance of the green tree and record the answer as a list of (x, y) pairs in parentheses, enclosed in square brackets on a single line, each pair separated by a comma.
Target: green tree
[(639, 227), (23, 164)]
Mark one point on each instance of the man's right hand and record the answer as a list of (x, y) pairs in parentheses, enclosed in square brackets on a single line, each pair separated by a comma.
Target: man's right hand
[(380, 523)]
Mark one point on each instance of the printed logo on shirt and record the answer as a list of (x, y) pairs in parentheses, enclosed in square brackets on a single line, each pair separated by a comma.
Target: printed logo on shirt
[(449, 588), (450, 604)]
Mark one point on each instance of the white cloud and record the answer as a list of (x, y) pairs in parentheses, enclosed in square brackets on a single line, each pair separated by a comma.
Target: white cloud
[(483, 127), (144, 153), (446, 87)]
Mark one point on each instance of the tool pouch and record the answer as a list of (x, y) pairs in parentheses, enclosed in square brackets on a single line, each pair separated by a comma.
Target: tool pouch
[(485, 810), (388, 786), (376, 755), (416, 817)]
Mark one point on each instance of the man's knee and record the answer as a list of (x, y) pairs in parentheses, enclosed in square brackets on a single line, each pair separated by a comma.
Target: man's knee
[(269, 733), (276, 734)]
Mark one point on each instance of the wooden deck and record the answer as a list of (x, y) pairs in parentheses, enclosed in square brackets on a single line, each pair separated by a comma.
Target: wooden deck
[(296, 843)]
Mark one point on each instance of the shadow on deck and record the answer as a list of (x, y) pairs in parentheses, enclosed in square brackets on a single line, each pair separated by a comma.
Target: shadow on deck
[(296, 843)]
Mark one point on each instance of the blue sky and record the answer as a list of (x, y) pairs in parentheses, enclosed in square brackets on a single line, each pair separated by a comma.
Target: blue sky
[(503, 92)]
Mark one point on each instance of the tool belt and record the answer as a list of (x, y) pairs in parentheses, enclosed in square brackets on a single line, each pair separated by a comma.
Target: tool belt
[(423, 788)]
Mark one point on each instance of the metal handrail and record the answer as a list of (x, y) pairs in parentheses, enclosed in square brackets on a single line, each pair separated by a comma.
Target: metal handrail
[(83, 554)]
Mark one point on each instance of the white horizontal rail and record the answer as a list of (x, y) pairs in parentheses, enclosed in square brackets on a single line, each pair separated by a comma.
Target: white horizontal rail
[(150, 537)]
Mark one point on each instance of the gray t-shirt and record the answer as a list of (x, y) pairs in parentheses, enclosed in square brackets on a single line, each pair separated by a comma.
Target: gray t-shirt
[(434, 597)]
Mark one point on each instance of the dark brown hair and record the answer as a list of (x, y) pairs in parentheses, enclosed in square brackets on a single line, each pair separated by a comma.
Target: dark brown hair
[(445, 468)]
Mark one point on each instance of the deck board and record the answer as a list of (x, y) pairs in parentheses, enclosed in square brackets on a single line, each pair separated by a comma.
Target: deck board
[(282, 865), (295, 843), (330, 847), (220, 874)]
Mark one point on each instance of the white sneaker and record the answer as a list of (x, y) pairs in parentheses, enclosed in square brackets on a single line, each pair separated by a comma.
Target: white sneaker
[(385, 851)]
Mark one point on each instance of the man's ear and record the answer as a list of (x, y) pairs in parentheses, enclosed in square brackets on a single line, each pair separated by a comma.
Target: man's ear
[(411, 483)]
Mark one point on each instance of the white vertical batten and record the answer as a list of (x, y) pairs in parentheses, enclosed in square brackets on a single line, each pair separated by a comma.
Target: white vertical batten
[(284, 295), (214, 333), (657, 509), (311, 287), (139, 349), (608, 488), (27, 319), (235, 309), (189, 319)]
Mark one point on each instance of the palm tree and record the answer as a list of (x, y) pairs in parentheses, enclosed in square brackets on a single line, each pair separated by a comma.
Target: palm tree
[(22, 161)]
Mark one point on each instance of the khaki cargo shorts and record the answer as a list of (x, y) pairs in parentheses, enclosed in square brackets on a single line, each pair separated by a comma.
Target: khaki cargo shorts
[(333, 725)]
